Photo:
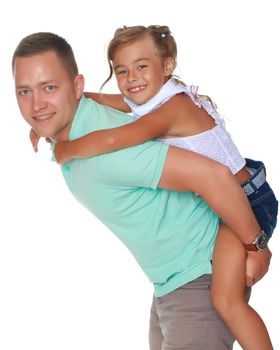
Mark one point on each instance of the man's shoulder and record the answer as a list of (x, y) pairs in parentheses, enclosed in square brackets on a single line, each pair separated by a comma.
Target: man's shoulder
[(109, 115), (92, 116)]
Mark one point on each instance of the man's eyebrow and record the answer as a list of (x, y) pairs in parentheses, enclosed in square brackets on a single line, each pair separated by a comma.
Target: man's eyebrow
[(42, 83), (21, 87)]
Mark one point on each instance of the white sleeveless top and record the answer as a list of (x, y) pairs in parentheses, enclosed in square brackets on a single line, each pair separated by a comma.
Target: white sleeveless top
[(215, 143)]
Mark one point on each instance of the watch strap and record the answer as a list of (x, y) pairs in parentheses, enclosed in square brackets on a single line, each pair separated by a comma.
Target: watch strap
[(251, 247), (259, 243)]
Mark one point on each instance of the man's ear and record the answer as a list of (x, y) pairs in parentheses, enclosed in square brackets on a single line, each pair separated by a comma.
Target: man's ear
[(169, 66), (79, 85)]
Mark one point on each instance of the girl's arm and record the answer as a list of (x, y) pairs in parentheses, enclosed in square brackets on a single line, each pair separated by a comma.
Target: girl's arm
[(150, 126), (111, 100), (34, 139)]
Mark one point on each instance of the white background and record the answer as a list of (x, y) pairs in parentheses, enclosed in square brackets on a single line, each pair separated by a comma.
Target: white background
[(65, 281)]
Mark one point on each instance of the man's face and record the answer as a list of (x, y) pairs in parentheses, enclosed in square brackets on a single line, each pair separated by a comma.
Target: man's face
[(47, 96)]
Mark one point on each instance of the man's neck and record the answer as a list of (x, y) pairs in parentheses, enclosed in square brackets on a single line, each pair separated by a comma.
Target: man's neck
[(64, 134)]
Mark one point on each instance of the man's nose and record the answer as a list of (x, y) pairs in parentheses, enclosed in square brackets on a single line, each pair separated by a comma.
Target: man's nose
[(38, 101)]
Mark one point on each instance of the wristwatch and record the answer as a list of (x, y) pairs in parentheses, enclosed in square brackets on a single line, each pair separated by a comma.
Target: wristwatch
[(259, 243)]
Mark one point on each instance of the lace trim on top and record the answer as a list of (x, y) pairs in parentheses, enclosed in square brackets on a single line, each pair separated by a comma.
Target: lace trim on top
[(168, 90), (215, 143)]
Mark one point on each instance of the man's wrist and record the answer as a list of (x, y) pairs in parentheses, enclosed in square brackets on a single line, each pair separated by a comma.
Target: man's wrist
[(259, 244)]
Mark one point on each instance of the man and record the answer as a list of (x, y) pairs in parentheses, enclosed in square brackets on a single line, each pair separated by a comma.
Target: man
[(171, 234)]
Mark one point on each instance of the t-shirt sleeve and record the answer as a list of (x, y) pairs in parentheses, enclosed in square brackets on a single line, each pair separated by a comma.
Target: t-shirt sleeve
[(137, 166)]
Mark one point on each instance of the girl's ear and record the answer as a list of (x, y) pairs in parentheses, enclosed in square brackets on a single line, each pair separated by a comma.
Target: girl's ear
[(169, 66), (79, 85)]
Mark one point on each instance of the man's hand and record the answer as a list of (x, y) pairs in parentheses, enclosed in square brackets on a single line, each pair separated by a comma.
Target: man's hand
[(257, 265)]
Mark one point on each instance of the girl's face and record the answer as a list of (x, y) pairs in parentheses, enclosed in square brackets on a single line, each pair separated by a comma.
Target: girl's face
[(140, 71)]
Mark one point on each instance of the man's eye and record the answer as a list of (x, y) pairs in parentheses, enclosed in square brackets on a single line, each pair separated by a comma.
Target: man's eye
[(24, 92), (50, 87)]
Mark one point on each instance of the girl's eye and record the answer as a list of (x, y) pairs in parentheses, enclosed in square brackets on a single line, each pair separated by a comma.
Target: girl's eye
[(123, 71), (141, 66)]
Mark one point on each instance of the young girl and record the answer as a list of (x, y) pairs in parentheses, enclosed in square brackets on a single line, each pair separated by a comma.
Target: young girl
[(143, 60)]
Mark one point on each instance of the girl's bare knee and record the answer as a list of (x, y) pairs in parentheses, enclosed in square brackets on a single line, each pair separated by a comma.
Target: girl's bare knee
[(226, 305)]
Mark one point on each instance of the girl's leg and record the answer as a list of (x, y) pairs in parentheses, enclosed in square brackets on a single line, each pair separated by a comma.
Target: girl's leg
[(227, 292)]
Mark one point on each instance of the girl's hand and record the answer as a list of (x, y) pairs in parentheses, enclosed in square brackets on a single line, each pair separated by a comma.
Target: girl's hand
[(60, 152), (34, 138)]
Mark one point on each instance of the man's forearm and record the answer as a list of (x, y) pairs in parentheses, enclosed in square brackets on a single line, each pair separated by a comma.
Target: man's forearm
[(188, 171)]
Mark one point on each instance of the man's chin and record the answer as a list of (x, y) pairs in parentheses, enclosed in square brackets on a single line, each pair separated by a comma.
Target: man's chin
[(44, 133)]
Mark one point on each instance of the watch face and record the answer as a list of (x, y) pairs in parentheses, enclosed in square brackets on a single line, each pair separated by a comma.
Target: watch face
[(262, 241)]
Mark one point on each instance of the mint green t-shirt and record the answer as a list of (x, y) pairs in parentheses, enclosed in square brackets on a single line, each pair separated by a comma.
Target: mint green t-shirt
[(171, 234)]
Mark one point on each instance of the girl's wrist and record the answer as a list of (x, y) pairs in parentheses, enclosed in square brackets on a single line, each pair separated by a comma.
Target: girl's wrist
[(70, 150)]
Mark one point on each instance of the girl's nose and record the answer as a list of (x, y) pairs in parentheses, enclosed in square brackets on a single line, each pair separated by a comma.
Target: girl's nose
[(132, 76)]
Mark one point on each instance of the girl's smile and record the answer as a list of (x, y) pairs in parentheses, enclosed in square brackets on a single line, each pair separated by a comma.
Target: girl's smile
[(140, 71)]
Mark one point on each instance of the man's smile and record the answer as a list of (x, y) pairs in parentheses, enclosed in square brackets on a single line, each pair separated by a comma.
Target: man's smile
[(43, 117)]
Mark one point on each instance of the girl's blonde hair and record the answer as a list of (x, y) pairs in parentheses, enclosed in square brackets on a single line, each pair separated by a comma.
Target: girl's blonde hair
[(163, 40), (161, 36)]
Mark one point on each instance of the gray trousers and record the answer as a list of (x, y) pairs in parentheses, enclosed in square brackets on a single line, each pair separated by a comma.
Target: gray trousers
[(186, 320)]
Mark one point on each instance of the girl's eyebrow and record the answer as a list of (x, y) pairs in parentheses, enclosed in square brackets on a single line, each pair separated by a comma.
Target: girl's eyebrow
[(135, 61)]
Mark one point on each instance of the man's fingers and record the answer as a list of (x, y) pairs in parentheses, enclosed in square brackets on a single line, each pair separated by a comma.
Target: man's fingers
[(257, 265), (250, 281)]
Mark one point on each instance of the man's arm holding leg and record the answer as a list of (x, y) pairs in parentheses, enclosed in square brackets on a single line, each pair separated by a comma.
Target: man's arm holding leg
[(188, 171)]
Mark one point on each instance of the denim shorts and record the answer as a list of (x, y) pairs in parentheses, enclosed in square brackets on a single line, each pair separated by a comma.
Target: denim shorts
[(261, 196)]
